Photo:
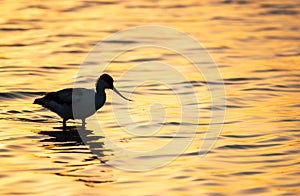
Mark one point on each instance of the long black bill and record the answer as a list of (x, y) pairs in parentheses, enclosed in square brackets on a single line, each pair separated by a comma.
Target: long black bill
[(116, 91)]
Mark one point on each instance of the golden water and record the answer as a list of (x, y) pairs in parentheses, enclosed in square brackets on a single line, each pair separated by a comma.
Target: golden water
[(256, 45)]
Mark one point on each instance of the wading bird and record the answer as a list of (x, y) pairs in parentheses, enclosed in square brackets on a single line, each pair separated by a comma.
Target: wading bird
[(84, 102)]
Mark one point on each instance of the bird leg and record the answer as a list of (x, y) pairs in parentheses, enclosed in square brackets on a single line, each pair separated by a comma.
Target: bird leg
[(83, 122), (64, 124)]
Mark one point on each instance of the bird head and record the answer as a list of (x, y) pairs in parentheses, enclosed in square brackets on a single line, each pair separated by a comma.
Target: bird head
[(107, 82)]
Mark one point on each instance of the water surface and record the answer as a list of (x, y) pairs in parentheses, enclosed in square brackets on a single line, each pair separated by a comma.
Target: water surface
[(256, 45)]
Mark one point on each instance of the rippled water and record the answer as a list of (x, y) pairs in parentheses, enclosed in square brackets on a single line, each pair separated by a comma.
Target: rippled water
[(256, 45)]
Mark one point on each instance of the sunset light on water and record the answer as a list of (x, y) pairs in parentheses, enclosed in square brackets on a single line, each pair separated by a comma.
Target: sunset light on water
[(252, 56)]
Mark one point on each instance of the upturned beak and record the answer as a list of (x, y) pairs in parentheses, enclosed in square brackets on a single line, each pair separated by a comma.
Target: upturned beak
[(116, 91)]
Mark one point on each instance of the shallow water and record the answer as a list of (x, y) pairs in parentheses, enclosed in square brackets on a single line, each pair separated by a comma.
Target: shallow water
[(256, 46)]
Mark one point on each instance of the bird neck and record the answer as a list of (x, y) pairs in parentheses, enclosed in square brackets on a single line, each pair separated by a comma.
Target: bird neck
[(100, 98)]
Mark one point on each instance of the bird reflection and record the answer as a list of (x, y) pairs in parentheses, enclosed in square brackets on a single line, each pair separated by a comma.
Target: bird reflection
[(66, 138), (79, 150), (74, 140)]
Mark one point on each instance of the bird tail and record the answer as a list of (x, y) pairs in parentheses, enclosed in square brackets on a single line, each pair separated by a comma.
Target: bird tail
[(39, 101)]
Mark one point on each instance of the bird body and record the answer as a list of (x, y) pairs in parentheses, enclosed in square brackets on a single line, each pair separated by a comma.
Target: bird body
[(78, 103)]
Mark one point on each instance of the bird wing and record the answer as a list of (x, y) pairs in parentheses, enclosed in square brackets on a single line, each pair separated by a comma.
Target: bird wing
[(67, 96)]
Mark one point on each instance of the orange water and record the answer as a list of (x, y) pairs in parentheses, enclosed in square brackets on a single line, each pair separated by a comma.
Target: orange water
[(256, 45)]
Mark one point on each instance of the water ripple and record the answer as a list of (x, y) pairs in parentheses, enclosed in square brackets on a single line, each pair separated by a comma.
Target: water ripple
[(19, 94), (245, 146)]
